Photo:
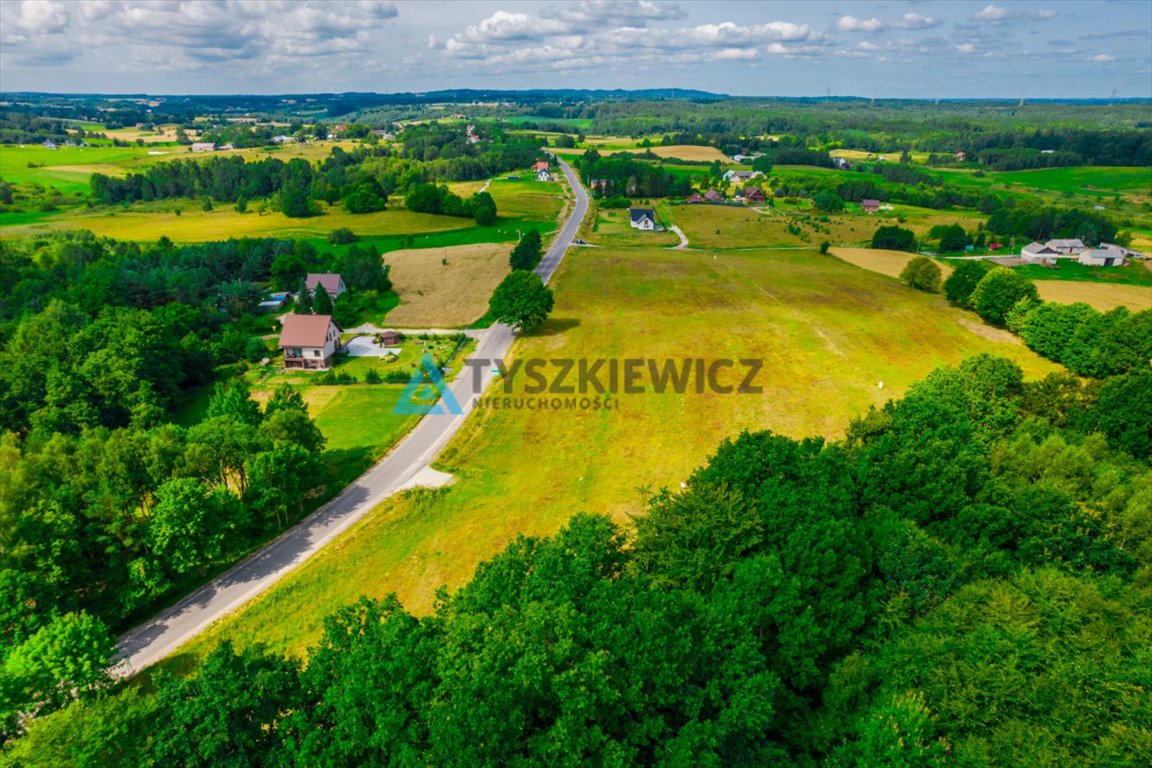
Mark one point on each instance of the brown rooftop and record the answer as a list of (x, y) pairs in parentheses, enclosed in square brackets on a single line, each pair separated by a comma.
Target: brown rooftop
[(305, 330)]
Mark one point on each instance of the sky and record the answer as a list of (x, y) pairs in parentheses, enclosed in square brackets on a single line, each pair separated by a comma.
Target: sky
[(899, 48)]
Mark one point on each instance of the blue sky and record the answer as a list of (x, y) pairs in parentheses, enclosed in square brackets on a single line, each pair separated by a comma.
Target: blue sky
[(909, 48)]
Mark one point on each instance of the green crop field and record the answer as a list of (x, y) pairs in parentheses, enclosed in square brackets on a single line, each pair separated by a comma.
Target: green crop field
[(829, 334)]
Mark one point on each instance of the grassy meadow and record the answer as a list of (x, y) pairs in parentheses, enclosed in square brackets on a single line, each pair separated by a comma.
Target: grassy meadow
[(445, 287), (829, 332)]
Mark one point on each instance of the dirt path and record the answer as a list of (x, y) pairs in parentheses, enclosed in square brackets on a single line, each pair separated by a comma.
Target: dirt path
[(683, 239)]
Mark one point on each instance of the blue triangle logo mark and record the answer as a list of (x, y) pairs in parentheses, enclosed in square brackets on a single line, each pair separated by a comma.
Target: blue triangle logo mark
[(427, 393)]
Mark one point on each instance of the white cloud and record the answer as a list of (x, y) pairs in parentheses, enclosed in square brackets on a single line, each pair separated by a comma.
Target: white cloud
[(567, 38), (853, 24), (996, 14), (909, 21), (1102, 57), (169, 35), (992, 13)]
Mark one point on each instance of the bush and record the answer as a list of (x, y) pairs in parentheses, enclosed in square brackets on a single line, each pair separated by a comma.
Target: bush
[(963, 281), (372, 376), (997, 293), (922, 274), (828, 201), (894, 238), (342, 236)]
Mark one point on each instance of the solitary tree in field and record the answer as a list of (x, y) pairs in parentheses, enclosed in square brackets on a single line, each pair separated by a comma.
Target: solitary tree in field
[(322, 302), (521, 300)]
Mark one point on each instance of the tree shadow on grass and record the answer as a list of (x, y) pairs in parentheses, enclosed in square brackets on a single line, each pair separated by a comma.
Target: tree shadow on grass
[(555, 326)]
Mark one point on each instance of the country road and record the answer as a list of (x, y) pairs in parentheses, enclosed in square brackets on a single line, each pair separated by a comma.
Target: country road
[(405, 465)]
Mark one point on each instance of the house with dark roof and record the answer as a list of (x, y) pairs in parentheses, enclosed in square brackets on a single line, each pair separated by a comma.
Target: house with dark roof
[(333, 283), (695, 197), (754, 195), (642, 218), (309, 341), (870, 206), (712, 196)]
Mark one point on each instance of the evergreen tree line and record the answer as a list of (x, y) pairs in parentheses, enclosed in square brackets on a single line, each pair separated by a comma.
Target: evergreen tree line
[(962, 580)]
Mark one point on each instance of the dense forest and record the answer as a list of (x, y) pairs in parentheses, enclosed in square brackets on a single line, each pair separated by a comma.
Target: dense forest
[(962, 580), (107, 505)]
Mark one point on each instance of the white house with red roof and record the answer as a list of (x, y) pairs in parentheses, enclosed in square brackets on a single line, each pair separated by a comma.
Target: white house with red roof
[(309, 341)]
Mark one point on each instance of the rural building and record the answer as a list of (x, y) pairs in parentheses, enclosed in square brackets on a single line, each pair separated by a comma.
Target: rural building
[(226, 146), (1066, 247), (712, 196), (1035, 253), (754, 195), (643, 218), (738, 176), (49, 144), (204, 146), (283, 139), (333, 283), (389, 338), (870, 206), (540, 166), (602, 184), (309, 341), (842, 164), (274, 302), (543, 175), (1107, 255), (695, 197)]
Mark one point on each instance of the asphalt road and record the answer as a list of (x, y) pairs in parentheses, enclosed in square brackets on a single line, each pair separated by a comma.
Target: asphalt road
[(406, 464)]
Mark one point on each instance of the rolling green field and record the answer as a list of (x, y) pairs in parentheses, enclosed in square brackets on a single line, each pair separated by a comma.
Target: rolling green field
[(829, 334)]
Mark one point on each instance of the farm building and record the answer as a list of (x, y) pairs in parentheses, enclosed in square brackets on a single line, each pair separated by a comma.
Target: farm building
[(543, 175), (309, 341), (1107, 255), (870, 206), (333, 283), (204, 146), (712, 196), (842, 164), (1035, 253), (540, 166), (1066, 247), (695, 197), (642, 218), (49, 144), (754, 195)]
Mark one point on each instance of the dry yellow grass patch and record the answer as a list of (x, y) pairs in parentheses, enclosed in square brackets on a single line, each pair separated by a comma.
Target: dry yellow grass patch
[(885, 262), (690, 152), (1103, 296), (434, 294)]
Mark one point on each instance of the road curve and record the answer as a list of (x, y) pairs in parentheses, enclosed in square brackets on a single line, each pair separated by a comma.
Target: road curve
[(172, 628)]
